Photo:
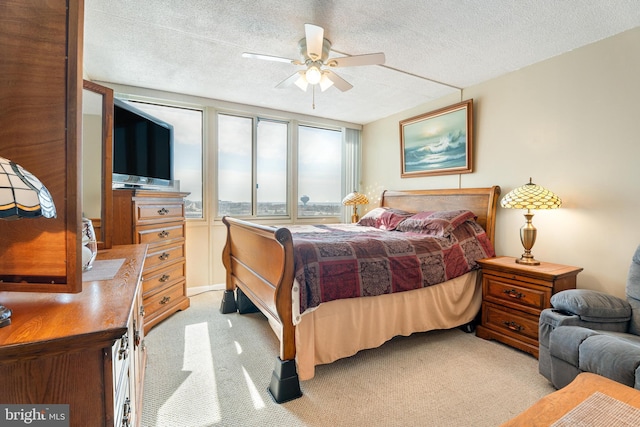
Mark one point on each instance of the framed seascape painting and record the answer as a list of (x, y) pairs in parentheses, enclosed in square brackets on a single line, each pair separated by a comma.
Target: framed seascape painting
[(439, 142)]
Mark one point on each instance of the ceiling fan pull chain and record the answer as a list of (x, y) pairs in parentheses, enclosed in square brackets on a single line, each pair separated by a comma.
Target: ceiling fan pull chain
[(313, 96)]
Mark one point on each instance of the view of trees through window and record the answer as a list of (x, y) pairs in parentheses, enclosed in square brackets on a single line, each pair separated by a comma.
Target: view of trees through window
[(253, 171)]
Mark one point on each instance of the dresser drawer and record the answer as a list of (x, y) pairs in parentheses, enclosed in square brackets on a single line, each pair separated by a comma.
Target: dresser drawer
[(510, 322), (166, 254), (511, 293), (163, 299), (122, 407), (160, 234), (120, 357), (163, 211), (158, 278)]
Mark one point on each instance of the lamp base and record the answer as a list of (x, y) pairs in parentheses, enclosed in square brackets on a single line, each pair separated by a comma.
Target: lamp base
[(527, 260), (355, 218), (5, 316), (528, 237)]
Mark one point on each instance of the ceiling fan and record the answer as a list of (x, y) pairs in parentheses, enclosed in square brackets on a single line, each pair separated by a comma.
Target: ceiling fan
[(314, 50)]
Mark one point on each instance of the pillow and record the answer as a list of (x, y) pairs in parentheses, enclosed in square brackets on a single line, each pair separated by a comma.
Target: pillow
[(438, 223), (384, 218)]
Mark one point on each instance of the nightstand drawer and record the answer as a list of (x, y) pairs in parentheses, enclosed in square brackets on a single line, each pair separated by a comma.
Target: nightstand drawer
[(513, 294), (510, 322)]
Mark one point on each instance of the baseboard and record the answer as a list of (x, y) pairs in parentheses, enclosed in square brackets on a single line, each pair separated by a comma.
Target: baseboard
[(200, 289)]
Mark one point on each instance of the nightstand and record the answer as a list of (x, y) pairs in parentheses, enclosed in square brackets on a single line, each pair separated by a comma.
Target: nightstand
[(513, 295)]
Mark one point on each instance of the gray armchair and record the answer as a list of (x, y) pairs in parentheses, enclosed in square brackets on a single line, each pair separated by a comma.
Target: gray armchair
[(590, 331)]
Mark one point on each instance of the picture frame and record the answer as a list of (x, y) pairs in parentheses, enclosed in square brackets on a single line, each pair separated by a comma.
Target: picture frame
[(439, 142)]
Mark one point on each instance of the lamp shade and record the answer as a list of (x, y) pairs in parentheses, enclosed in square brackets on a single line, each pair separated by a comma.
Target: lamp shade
[(325, 82), (302, 83), (531, 196), (355, 198), (22, 195)]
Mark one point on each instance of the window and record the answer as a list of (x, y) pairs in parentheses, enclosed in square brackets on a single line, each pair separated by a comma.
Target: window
[(235, 136), (236, 162), (319, 172), (187, 150), (255, 177), (271, 168)]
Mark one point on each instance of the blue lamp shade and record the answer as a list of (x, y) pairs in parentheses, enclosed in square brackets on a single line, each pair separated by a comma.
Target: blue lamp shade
[(22, 195)]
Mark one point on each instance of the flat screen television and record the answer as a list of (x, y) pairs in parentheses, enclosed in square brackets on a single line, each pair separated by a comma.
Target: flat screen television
[(142, 148)]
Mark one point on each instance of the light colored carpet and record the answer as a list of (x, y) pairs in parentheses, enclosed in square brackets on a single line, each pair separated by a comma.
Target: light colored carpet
[(209, 369)]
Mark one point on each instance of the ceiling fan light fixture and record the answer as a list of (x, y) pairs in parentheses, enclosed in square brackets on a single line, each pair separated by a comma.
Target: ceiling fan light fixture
[(314, 52), (313, 75), (302, 82), (325, 82)]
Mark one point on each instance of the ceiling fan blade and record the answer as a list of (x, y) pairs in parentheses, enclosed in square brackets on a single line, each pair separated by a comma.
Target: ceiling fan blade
[(315, 38), (356, 60), (338, 81), (290, 80), (270, 58)]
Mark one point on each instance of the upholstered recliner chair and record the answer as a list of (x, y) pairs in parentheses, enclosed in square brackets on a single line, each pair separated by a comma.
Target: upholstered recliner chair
[(590, 331)]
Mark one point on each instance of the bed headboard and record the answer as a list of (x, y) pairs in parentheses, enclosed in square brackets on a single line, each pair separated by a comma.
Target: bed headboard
[(481, 201)]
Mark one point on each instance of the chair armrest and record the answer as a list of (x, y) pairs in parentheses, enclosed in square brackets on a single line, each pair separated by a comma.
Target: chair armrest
[(552, 318), (592, 306)]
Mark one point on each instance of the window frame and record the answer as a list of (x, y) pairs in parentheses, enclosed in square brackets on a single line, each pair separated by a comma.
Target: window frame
[(293, 124), (203, 142)]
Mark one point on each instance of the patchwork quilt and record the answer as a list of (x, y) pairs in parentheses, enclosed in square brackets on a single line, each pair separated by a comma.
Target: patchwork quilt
[(350, 260)]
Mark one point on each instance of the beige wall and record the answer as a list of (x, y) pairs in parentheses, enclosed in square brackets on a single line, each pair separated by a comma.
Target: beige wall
[(571, 123)]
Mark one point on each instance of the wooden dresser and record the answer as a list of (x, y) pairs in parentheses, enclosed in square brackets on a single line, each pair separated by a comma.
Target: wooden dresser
[(157, 219), (513, 295), (85, 350)]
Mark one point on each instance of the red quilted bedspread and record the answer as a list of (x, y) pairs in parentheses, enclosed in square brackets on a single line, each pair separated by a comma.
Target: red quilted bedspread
[(348, 261)]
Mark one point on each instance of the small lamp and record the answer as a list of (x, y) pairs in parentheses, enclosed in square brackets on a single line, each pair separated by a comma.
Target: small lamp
[(22, 195), (529, 196), (355, 199)]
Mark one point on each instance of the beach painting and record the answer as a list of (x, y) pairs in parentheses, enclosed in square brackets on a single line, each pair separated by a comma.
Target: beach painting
[(439, 142)]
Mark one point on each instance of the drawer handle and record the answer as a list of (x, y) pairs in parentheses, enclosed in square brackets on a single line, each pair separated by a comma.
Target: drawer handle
[(163, 234), (165, 300), (123, 353), (126, 413), (163, 256), (513, 326), (142, 313), (513, 293), (163, 211), (164, 278)]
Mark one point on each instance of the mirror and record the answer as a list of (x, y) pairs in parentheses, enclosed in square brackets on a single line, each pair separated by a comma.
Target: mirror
[(97, 143)]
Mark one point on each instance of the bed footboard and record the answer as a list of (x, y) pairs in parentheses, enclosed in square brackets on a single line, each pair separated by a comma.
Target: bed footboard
[(259, 267)]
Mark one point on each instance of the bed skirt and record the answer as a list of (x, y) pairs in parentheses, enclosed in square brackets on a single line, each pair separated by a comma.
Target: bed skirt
[(341, 328)]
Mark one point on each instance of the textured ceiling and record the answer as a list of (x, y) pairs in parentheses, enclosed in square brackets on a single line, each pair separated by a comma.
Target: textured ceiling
[(194, 47)]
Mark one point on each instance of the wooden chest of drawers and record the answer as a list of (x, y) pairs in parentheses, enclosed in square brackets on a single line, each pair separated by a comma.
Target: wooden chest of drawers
[(155, 218), (85, 350), (513, 295)]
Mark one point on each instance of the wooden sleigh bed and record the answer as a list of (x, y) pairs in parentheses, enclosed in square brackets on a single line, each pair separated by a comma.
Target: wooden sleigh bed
[(260, 275)]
